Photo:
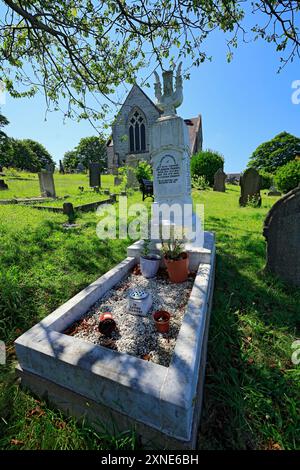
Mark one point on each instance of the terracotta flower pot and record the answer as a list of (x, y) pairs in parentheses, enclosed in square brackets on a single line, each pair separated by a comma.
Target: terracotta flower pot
[(178, 270), (162, 321), (106, 323)]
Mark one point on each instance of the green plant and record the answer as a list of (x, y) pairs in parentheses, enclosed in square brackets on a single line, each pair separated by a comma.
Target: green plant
[(253, 201), (206, 163), (199, 182), (123, 173), (143, 171), (146, 248), (275, 153), (288, 176), (172, 248), (266, 179)]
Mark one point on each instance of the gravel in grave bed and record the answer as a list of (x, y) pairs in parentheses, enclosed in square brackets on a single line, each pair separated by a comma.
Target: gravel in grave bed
[(137, 335)]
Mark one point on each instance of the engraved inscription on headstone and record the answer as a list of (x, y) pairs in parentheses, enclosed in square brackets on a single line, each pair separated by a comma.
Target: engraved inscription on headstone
[(168, 170)]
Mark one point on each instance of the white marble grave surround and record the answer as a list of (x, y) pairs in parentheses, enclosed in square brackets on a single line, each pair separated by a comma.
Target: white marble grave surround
[(162, 403)]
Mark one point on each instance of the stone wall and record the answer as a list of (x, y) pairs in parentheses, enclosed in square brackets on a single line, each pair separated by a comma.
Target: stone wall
[(135, 99)]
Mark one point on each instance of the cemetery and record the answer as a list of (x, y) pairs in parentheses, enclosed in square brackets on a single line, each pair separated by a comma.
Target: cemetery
[(149, 297)]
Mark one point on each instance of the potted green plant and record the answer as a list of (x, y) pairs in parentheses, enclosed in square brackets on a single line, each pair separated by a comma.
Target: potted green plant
[(149, 262), (176, 260)]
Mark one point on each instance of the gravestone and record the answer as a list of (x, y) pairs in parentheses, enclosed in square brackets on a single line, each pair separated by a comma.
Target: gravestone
[(80, 168), (117, 181), (47, 186), (219, 181), (3, 185), (49, 167), (170, 157), (250, 188), (61, 168), (273, 191), (132, 181), (95, 170), (282, 233), (68, 209)]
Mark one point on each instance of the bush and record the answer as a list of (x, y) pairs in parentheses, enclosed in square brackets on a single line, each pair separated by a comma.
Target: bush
[(143, 171), (275, 153), (206, 163), (266, 179), (199, 182), (288, 176)]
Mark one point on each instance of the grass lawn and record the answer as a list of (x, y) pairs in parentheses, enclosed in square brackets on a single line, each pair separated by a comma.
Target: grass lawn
[(27, 185), (252, 388)]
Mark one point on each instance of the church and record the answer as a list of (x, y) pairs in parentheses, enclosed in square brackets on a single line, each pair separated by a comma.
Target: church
[(129, 142)]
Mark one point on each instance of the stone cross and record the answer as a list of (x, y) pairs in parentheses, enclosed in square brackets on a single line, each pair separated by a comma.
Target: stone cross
[(219, 181), (282, 233), (250, 188)]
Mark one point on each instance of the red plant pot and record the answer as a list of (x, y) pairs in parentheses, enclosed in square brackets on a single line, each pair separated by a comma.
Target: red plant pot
[(178, 270), (106, 323), (162, 320)]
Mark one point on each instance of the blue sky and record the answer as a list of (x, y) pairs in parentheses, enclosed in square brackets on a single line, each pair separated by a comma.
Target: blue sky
[(243, 104)]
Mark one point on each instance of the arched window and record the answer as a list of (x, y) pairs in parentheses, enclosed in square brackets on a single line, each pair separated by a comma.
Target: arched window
[(137, 133)]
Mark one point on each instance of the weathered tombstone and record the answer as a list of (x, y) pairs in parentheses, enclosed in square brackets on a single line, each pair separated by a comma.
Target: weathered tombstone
[(250, 188), (3, 185), (282, 233), (80, 168), (117, 181), (47, 186), (219, 181), (61, 168), (95, 170), (273, 191), (132, 181), (49, 167), (68, 209)]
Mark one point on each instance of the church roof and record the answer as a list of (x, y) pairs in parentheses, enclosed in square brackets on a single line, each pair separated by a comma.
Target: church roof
[(194, 126)]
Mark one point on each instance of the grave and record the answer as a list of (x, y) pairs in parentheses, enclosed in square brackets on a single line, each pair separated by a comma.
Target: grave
[(273, 191), (95, 171), (47, 186), (162, 403), (80, 168), (3, 185), (61, 168), (219, 181), (170, 157), (117, 181), (282, 233), (132, 181), (250, 188)]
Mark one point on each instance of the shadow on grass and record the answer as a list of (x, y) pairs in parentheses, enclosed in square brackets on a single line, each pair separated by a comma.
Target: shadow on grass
[(247, 375)]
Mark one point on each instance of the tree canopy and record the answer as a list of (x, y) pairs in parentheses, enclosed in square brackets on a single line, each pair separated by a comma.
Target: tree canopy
[(206, 163), (3, 122), (275, 153), (89, 149), (24, 154), (69, 48)]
